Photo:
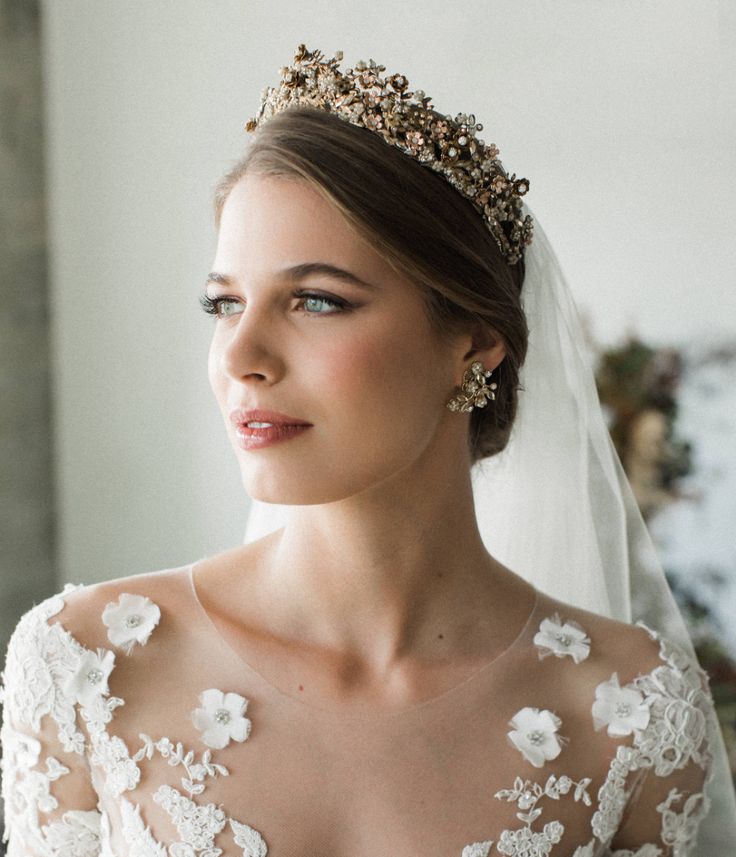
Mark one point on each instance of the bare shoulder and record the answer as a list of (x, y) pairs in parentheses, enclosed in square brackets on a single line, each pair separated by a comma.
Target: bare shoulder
[(82, 606), (629, 650), (244, 558), (232, 578), (170, 589)]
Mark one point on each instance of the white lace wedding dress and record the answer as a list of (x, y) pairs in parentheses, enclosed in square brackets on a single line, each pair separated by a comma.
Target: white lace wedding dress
[(132, 728)]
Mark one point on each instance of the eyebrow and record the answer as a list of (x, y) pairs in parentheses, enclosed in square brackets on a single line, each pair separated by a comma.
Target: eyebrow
[(301, 272)]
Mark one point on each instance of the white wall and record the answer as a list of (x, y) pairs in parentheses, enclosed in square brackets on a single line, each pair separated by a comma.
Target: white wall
[(621, 114)]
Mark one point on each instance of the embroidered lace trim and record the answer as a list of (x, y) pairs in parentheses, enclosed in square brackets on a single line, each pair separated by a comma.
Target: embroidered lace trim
[(42, 670)]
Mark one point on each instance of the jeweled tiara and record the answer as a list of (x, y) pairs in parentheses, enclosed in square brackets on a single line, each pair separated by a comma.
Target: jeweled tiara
[(387, 107)]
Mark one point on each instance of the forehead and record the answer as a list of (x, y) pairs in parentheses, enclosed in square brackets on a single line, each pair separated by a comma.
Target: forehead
[(268, 221)]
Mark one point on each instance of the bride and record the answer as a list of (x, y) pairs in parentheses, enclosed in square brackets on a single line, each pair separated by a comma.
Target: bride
[(364, 676)]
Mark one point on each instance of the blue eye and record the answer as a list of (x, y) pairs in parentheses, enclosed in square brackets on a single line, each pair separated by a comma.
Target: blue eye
[(218, 303), (318, 305), (312, 303), (212, 305), (315, 304)]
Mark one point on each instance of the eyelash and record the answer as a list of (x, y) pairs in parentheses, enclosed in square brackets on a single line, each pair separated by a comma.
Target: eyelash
[(211, 305)]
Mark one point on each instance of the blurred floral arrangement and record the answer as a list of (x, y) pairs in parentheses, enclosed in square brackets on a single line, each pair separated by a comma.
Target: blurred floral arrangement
[(638, 386)]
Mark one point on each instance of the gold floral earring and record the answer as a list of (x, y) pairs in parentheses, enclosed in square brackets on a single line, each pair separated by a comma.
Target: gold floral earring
[(475, 391)]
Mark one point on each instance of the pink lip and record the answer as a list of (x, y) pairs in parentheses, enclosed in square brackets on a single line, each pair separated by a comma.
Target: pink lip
[(283, 427), (239, 417)]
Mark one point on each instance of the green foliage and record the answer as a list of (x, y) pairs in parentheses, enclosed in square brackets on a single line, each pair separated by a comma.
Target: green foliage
[(634, 378)]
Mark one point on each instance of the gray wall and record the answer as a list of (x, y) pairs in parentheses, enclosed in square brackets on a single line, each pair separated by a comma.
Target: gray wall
[(622, 115), (27, 556)]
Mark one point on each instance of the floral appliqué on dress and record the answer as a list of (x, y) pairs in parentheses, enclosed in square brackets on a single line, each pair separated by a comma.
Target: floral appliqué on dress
[(559, 638), (670, 716), (622, 709), (51, 680), (50, 674), (220, 718), (130, 621), (534, 735)]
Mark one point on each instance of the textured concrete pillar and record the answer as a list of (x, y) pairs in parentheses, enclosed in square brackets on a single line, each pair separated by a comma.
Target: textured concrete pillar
[(27, 567)]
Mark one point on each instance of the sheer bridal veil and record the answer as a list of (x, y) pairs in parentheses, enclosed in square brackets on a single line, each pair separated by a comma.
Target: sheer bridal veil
[(556, 506)]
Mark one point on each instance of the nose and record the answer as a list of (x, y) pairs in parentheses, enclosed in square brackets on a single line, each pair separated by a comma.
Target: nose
[(249, 348)]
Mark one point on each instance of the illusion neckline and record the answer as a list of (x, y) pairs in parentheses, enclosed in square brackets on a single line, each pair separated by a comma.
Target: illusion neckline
[(424, 707)]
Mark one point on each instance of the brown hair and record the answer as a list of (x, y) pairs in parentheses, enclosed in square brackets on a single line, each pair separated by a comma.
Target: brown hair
[(423, 227)]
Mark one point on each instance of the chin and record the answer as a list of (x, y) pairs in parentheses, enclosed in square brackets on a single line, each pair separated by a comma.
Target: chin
[(290, 486), (310, 485)]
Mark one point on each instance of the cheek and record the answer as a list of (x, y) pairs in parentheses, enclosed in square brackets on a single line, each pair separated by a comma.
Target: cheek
[(377, 378), (214, 373), (211, 373)]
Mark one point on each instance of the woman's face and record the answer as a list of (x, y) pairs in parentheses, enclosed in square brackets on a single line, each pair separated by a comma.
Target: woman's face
[(359, 363)]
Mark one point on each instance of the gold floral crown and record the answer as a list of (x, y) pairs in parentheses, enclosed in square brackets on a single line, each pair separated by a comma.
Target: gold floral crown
[(409, 121)]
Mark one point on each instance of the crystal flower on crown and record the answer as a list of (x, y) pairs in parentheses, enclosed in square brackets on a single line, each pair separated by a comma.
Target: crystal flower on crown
[(408, 120)]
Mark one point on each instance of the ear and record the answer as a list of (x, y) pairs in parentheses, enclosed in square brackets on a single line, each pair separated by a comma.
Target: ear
[(486, 346)]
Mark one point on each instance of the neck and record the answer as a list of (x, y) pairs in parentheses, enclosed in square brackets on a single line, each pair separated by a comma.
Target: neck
[(384, 574)]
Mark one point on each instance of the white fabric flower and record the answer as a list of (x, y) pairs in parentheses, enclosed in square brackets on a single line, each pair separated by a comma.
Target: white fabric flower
[(515, 843), (130, 620), (622, 709), (89, 679), (478, 849), (76, 835), (248, 839), (585, 850), (106, 835), (220, 718), (24, 750), (533, 734), (648, 850), (182, 849), (559, 638)]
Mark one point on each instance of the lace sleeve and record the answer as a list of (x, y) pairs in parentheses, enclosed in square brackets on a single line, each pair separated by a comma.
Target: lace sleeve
[(50, 805), (673, 755)]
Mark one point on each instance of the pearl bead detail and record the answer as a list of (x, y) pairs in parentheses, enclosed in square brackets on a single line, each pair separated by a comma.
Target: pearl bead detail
[(622, 709), (222, 716), (133, 621), (536, 737), (94, 676)]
